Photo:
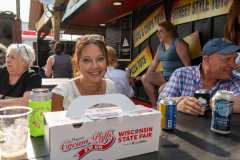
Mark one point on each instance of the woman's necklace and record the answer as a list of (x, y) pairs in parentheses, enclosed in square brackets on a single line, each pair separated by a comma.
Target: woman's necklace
[(96, 93)]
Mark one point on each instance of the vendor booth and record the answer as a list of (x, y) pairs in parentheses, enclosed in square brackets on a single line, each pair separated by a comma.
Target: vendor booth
[(130, 27)]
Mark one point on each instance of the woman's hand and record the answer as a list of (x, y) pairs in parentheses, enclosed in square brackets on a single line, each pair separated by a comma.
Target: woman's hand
[(139, 78)]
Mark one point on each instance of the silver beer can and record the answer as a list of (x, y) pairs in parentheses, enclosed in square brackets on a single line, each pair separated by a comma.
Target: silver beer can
[(40, 94), (222, 110), (128, 71)]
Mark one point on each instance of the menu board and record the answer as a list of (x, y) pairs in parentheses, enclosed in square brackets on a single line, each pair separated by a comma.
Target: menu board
[(125, 53), (117, 47), (113, 32), (118, 36)]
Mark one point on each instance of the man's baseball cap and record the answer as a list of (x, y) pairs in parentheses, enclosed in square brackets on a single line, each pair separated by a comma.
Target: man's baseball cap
[(52, 42), (219, 45)]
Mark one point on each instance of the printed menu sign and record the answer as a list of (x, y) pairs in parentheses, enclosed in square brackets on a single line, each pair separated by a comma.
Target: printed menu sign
[(125, 53), (191, 10)]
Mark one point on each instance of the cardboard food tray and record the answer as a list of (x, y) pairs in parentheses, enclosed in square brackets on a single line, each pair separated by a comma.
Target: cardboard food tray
[(101, 133)]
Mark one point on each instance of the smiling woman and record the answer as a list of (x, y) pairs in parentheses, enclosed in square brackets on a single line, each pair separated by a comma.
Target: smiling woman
[(90, 63), (16, 79)]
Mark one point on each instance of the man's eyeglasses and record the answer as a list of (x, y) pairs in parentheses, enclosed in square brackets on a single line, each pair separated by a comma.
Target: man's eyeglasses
[(87, 37), (159, 32), (24, 48)]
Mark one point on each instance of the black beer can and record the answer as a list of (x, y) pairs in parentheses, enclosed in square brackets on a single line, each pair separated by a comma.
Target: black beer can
[(203, 96)]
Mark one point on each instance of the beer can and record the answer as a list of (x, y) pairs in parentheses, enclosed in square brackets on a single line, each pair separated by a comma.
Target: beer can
[(128, 71), (203, 96), (168, 109), (40, 94), (222, 112)]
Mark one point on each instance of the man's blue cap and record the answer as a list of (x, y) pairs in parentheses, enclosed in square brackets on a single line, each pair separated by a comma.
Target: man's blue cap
[(219, 45)]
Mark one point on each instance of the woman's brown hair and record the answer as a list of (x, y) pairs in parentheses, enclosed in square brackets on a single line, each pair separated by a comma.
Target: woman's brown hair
[(112, 55), (231, 28), (79, 47), (169, 28), (58, 47)]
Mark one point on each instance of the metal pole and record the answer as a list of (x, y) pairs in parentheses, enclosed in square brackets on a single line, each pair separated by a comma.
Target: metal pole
[(18, 8)]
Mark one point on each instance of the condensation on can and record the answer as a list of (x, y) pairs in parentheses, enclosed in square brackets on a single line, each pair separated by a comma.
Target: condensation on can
[(40, 94), (167, 107), (128, 71), (222, 110)]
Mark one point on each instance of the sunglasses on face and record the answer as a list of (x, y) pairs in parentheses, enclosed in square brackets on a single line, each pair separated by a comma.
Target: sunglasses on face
[(87, 37), (19, 47)]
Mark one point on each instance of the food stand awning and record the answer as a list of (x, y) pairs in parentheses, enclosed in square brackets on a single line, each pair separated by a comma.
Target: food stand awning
[(96, 12)]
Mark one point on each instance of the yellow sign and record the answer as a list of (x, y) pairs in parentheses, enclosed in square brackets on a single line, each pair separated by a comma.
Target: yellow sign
[(159, 67), (149, 26), (190, 10), (194, 45), (194, 48), (141, 62)]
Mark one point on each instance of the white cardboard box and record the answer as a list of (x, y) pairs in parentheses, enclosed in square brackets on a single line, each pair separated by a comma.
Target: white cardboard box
[(101, 133)]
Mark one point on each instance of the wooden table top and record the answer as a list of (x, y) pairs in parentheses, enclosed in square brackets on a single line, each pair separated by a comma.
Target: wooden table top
[(192, 139), (52, 82)]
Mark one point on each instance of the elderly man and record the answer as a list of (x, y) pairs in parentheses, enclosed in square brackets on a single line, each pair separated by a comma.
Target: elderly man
[(214, 73)]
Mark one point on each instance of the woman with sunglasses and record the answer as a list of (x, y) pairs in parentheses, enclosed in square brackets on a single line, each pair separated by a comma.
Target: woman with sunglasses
[(90, 65), (232, 30), (16, 79), (172, 52)]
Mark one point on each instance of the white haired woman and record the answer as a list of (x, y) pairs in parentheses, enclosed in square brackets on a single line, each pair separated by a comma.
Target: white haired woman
[(3, 52), (16, 79)]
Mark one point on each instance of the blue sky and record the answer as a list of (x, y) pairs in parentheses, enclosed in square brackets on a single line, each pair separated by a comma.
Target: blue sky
[(10, 5)]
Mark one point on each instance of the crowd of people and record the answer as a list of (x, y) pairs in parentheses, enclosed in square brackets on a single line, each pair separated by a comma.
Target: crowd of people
[(93, 69)]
